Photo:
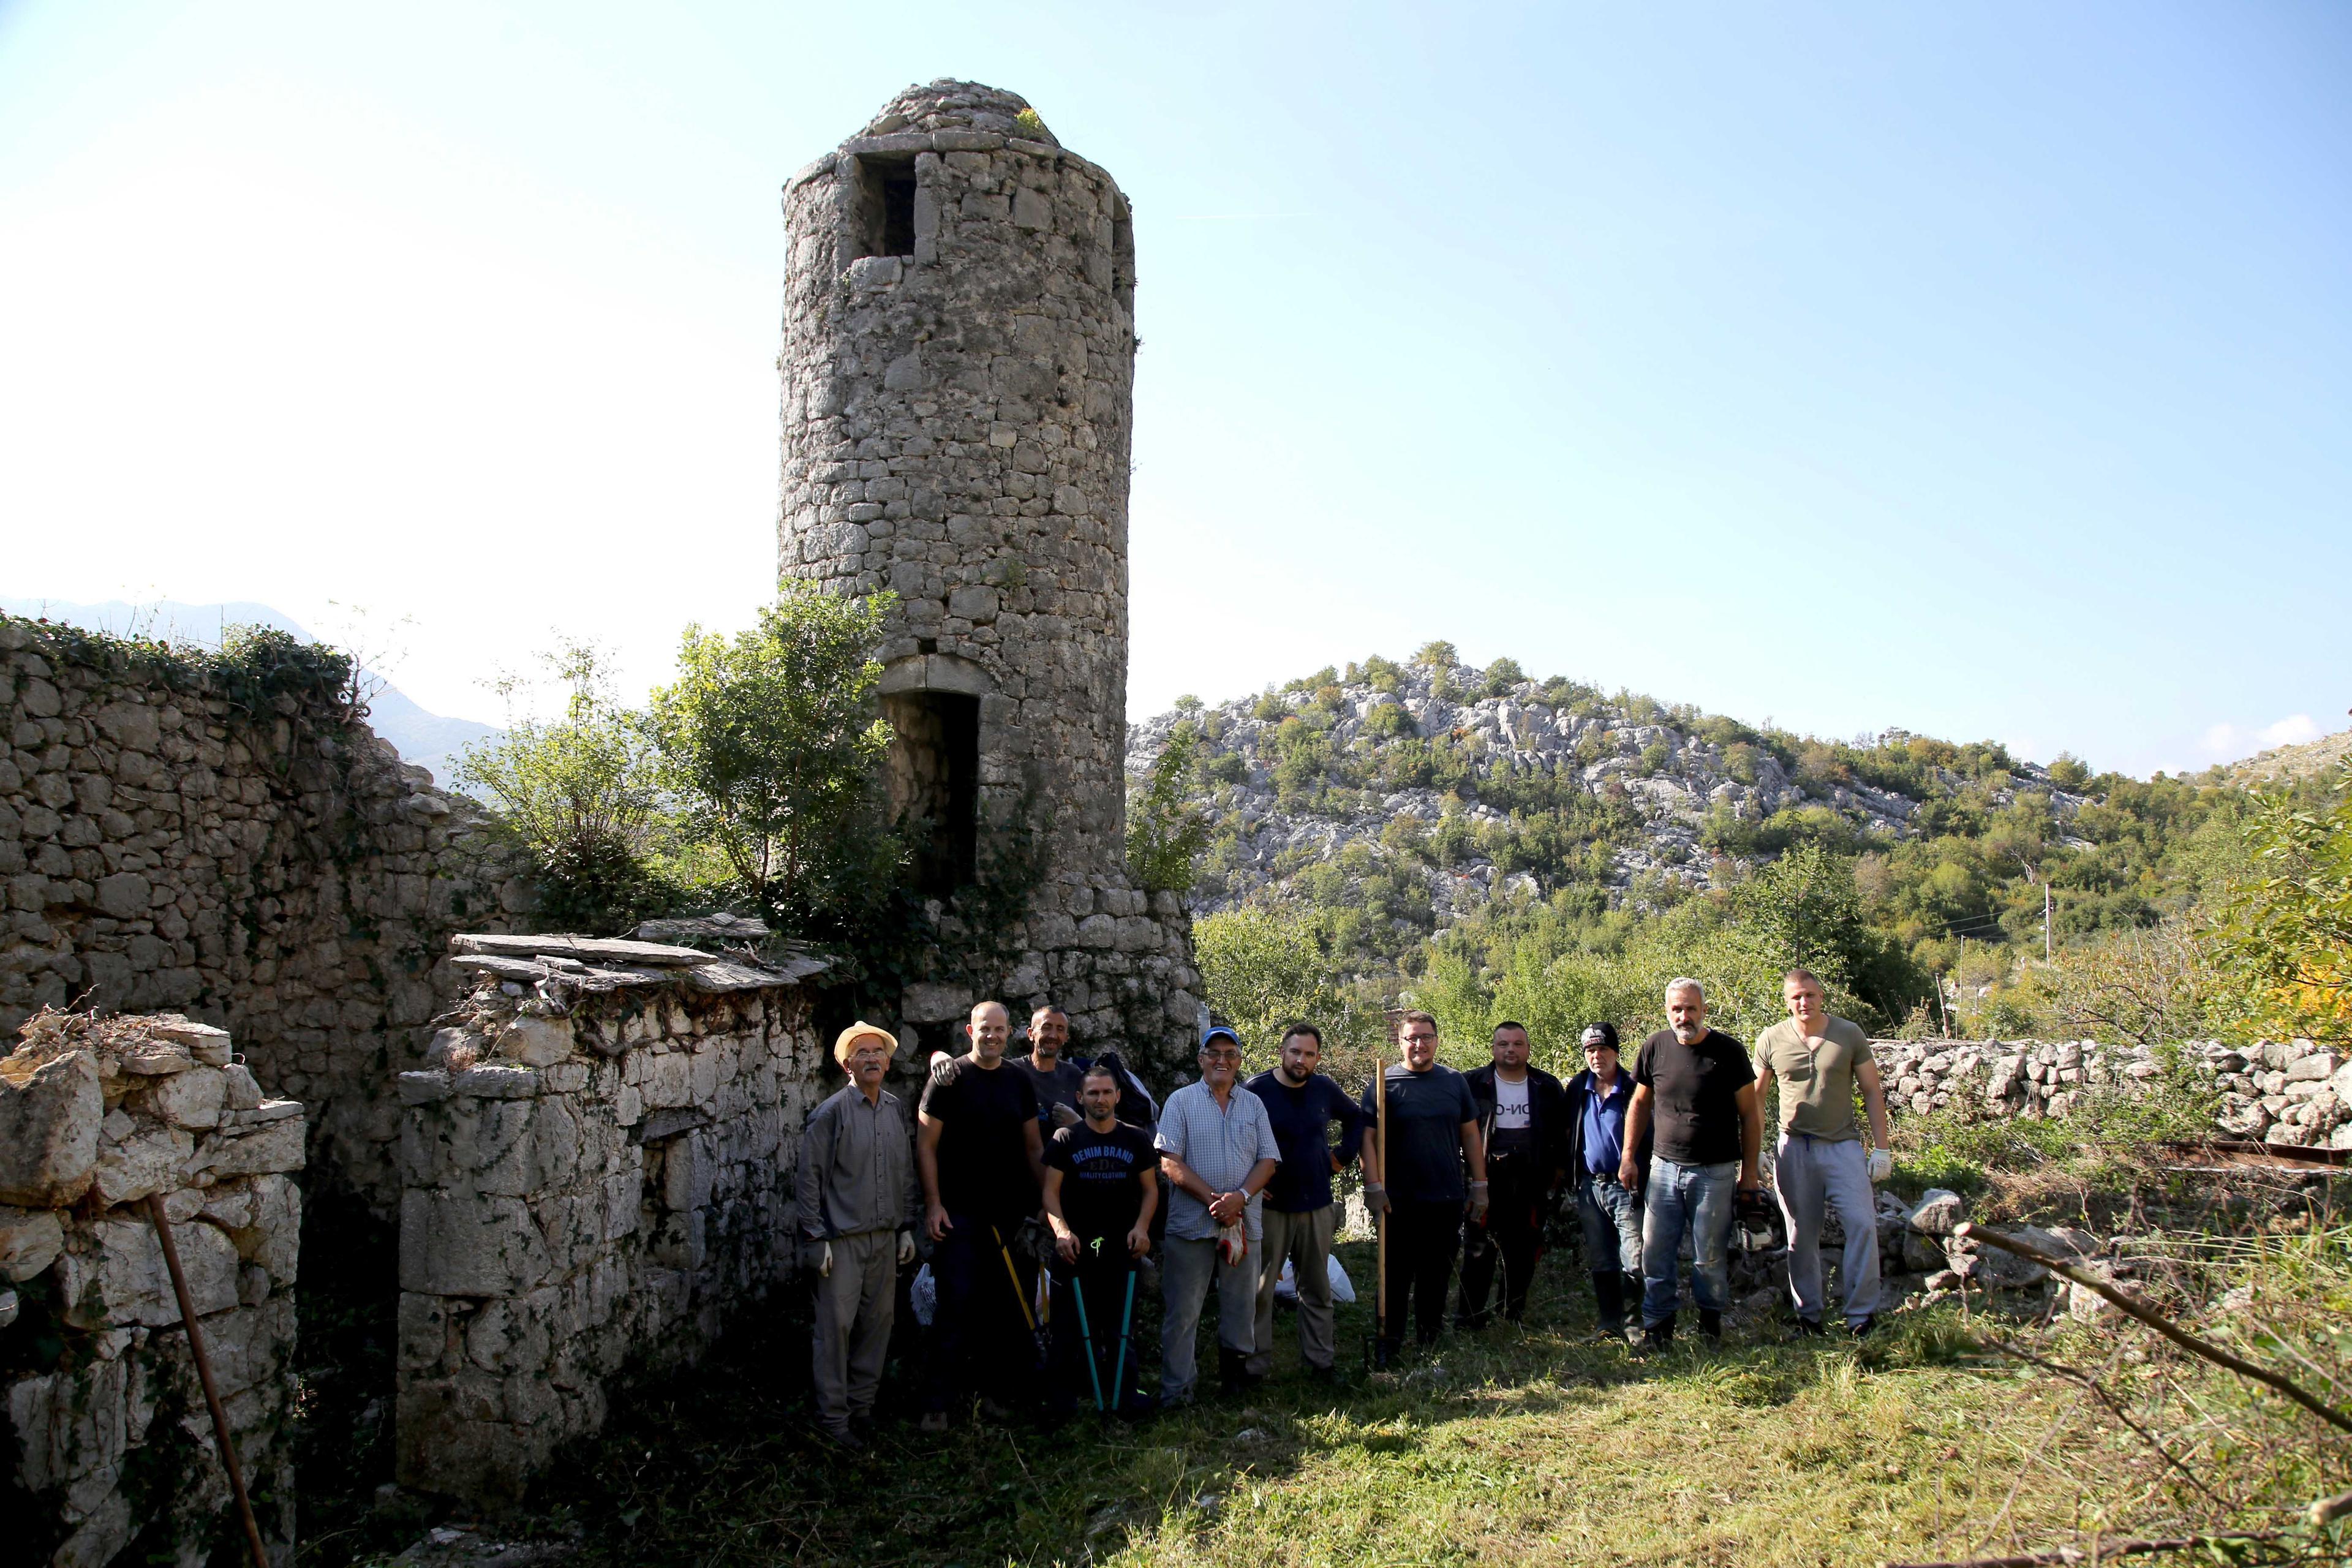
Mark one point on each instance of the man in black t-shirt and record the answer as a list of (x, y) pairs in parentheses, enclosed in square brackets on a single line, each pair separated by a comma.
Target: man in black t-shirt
[(1049, 1069), (1415, 1169), (1696, 1089), (1102, 1186), (979, 1157)]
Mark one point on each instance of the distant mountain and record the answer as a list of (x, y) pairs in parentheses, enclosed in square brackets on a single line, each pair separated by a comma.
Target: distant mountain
[(428, 740), (1407, 797)]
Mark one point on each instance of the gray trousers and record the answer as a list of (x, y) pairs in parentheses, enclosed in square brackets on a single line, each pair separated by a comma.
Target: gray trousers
[(1814, 1175), (1187, 1269), (1305, 1240), (855, 1306)]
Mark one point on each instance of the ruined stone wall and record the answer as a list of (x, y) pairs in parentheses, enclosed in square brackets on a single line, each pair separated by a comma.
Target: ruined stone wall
[(2293, 1092), (956, 422), (223, 839), (112, 1442), (597, 1173)]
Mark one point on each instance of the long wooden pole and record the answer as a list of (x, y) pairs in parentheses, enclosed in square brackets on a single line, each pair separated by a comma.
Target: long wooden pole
[(205, 1375), (1380, 1217)]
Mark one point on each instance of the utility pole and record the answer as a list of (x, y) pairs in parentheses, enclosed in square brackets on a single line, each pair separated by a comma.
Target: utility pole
[(2047, 927)]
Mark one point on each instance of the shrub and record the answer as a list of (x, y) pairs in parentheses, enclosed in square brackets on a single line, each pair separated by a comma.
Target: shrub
[(1165, 831), (582, 793), (771, 744)]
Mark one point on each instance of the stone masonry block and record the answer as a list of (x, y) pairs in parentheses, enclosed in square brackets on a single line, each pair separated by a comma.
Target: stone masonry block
[(455, 1243), (48, 1132)]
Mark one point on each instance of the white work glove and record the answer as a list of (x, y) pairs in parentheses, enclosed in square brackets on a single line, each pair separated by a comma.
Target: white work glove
[(825, 1262), (1376, 1197), (1066, 1117), (905, 1247), (942, 1068), (1478, 1191), (1882, 1164)]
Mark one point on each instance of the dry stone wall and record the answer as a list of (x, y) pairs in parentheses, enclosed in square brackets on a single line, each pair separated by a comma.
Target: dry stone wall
[(597, 1171), (2292, 1093), (112, 1442), (958, 374), (187, 832)]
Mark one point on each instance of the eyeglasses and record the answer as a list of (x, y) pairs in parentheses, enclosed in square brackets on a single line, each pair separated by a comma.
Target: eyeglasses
[(1221, 1056)]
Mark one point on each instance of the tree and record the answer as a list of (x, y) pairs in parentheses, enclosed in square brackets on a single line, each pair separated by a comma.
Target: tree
[(1263, 969), (1437, 655), (1805, 910), (1165, 830), (2290, 924), (581, 793), (771, 744)]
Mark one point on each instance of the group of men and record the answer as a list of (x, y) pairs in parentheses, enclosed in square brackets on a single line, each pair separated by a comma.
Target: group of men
[(1043, 1188)]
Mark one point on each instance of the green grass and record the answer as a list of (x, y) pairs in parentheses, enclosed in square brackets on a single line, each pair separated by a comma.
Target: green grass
[(1534, 1445)]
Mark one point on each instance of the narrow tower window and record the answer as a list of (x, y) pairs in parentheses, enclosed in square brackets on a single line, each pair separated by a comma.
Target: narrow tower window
[(886, 206), (934, 778)]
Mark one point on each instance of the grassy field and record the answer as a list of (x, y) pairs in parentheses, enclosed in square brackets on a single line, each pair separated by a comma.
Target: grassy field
[(1534, 1444)]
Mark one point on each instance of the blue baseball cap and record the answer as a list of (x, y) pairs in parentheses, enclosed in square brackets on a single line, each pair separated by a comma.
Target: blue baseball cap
[(1215, 1031)]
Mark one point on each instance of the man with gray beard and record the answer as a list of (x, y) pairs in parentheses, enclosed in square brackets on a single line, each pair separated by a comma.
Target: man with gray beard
[(1697, 1089)]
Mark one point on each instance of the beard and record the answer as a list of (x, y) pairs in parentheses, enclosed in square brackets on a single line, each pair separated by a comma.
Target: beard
[(1690, 1034)]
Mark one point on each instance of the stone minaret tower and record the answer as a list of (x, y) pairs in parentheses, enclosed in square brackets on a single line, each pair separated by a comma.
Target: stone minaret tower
[(959, 366)]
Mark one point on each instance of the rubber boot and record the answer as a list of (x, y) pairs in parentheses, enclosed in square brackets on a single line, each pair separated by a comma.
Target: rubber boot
[(1232, 1372), (1609, 1296), (1656, 1337), (1710, 1323)]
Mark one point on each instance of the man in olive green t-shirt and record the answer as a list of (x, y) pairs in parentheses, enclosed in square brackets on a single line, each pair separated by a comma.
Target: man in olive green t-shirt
[(1817, 1061)]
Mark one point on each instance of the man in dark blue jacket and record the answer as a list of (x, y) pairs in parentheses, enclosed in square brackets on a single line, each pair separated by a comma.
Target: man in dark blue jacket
[(1597, 1099), (1523, 1119), (1303, 1105)]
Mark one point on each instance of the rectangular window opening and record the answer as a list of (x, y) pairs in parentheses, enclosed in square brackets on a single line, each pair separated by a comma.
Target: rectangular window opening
[(934, 783), (886, 206)]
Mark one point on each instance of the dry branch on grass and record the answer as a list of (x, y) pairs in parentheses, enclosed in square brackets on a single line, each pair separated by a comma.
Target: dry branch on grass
[(2136, 1307)]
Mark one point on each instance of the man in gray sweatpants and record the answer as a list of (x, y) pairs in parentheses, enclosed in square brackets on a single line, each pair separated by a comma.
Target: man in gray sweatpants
[(858, 1203), (1817, 1061)]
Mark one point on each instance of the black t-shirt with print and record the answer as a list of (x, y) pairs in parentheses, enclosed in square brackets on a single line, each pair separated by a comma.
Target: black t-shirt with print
[(1102, 1179), (1694, 1095)]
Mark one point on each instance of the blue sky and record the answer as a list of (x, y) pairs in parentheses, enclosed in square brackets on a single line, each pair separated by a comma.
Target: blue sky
[(1985, 370)]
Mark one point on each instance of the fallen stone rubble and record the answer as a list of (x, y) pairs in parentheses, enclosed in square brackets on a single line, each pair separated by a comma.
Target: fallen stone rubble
[(112, 1433)]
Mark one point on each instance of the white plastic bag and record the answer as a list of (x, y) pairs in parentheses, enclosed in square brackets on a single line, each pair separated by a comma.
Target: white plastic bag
[(1286, 1289), (924, 1294)]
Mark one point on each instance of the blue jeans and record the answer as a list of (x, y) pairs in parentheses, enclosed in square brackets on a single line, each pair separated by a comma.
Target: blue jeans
[(1613, 1225), (1813, 1175), (1696, 1198)]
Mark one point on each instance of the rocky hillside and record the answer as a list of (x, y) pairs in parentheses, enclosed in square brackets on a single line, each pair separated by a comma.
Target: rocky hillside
[(2313, 759), (1454, 786)]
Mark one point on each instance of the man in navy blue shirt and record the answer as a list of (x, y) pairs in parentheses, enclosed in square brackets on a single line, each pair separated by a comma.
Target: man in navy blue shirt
[(1303, 1105), (1597, 1099)]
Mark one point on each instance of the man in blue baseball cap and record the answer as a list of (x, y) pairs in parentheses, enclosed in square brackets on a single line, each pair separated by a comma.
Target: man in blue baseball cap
[(1217, 1151)]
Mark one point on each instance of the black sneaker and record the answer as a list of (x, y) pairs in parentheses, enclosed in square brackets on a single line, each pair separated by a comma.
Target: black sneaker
[(1656, 1337), (1710, 1323), (1806, 1328), (1860, 1328)]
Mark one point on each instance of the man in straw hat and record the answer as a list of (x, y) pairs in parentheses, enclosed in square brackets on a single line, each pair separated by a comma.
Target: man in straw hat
[(858, 1203)]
